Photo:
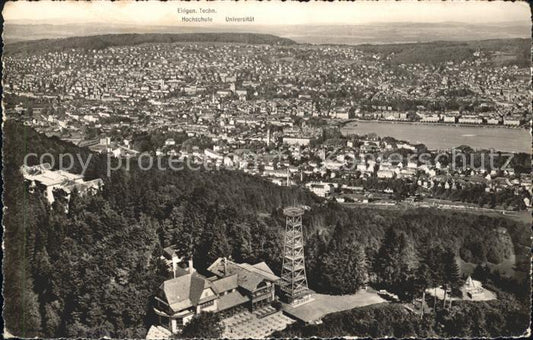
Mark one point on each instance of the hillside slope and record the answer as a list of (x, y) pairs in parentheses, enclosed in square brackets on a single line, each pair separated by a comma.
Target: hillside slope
[(111, 40), (499, 51)]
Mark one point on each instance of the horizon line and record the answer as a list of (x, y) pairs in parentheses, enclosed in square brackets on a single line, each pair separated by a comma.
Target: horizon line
[(124, 23)]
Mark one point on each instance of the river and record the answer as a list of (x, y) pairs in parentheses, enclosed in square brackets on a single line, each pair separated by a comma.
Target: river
[(441, 137)]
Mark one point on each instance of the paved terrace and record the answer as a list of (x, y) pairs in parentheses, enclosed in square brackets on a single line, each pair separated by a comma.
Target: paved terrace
[(249, 325), (323, 304)]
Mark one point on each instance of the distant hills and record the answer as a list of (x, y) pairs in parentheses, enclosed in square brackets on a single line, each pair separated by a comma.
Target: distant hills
[(502, 52), (401, 32), (511, 51), (110, 40), (352, 34)]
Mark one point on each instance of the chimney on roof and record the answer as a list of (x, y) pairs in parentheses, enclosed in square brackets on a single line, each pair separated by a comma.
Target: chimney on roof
[(191, 267), (225, 263), (175, 261)]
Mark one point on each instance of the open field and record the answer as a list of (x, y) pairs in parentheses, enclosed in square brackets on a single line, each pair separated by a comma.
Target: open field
[(324, 304)]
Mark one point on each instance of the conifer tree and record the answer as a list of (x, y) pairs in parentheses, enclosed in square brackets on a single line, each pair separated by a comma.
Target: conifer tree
[(205, 325)]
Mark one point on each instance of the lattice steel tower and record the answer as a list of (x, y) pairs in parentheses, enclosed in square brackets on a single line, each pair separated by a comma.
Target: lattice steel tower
[(293, 277)]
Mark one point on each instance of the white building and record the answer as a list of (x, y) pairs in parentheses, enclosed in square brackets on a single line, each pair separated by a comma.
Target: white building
[(320, 189), (304, 141), (170, 142), (212, 154), (493, 121), (59, 183), (449, 119), (511, 122), (385, 174), (470, 120), (431, 119)]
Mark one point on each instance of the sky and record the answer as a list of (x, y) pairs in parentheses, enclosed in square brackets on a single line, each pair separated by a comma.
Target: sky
[(266, 13)]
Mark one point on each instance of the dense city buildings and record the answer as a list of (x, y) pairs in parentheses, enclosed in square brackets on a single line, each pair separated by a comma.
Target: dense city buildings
[(322, 179), (260, 109)]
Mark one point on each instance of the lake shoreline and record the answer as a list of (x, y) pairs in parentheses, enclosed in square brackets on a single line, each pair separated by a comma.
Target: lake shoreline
[(381, 121), (445, 136)]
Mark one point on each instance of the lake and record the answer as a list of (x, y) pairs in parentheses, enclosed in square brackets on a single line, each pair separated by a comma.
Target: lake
[(440, 137)]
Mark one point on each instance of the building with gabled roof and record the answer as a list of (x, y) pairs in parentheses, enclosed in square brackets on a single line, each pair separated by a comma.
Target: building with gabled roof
[(179, 299), (252, 280), (189, 290), (226, 284), (233, 287)]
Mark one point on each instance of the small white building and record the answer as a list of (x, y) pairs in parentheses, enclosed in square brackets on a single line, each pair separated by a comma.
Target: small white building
[(320, 189), (385, 174), (304, 141)]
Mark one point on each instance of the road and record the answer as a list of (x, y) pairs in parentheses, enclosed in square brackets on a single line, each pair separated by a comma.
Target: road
[(522, 216)]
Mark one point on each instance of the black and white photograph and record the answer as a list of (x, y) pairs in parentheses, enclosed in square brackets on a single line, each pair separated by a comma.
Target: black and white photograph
[(266, 170)]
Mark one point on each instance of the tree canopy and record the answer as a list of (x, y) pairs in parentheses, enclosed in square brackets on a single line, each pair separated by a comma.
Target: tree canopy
[(204, 325), (93, 272)]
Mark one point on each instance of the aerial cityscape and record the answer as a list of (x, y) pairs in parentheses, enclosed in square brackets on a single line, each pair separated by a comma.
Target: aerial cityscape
[(255, 182)]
